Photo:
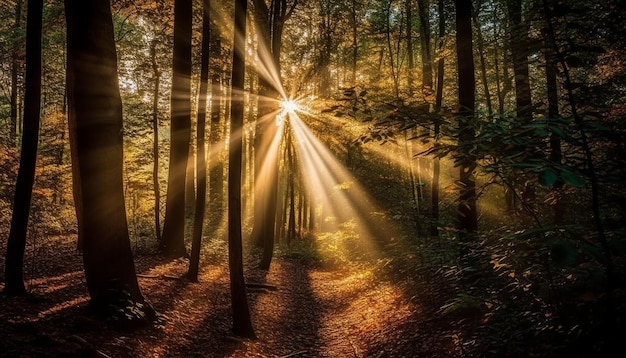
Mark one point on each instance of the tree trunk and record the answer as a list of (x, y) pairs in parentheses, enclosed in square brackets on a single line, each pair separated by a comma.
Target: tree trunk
[(14, 76), (96, 114), (200, 199), (216, 172), (355, 45), (242, 325), (467, 215), (483, 67), (519, 52), (173, 241), (556, 154), (155, 141), (408, 5), (434, 199), (16, 243), (427, 67)]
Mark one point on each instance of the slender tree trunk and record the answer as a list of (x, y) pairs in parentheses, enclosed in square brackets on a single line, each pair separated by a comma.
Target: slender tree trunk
[(291, 227), (467, 215), (200, 199), (519, 52), (216, 173), (408, 5), (556, 154), (96, 115), (394, 75), (427, 67), (496, 61), (355, 44), (483, 67), (434, 199), (518, 40), (155, 141), (14, 76), (242, 324), (16, 243), (173, 241)]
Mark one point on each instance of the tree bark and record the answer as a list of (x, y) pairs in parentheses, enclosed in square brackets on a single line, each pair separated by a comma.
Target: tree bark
[(467, 215), (200, 199), (16, 243), (434, 199), (96, 114), (155, 141), (242, 325), (427, 67), (173, 241), (15, 76)]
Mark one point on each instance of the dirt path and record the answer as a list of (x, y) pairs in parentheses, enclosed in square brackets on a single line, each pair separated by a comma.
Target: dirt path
[(310, 313)]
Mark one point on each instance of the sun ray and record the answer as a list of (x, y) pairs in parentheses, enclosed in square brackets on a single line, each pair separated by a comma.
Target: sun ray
[(345, 204)]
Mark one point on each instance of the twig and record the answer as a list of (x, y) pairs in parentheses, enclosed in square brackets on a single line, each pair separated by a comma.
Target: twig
[(261, 285), (170, 277), (354, 347)]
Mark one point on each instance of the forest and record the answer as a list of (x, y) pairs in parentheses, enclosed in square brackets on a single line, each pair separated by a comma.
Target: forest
[(312, 178)]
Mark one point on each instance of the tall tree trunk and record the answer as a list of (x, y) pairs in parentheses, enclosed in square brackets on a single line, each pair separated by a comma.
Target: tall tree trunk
[(434, 199), (200, 199), (519, 52), (518, 41), (500, 92), (155, 140), (427, 67), (392, 65), (14, 75), (16, 243), (556, 154), (242, 325), (216, 173), (483, 67), (96, 114), (270, 26), (467, 215), (355, 44), (408, 6), (173, 241), (291, 227)]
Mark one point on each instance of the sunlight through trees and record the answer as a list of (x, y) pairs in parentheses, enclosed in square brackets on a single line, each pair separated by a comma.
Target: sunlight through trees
[(296, 171)]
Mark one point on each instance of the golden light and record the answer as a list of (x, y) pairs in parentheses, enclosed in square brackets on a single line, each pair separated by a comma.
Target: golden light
[(289, 105)]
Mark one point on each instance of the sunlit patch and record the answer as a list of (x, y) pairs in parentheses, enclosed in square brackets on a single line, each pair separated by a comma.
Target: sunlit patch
[(347, 228), (289, 105), (62, 306)]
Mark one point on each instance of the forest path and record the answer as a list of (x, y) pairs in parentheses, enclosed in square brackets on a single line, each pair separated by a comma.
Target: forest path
[(306, 311)]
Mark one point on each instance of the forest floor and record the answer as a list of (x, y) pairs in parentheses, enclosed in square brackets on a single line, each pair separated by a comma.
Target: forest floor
[(304, 310)]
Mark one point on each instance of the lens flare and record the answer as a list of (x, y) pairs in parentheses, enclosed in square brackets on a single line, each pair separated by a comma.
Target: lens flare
[(289, 105)]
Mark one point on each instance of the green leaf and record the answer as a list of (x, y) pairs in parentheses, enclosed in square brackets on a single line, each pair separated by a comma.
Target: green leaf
[(571, 178), (548, 177)]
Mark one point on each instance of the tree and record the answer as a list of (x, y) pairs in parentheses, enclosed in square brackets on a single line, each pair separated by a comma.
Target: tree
[(467, 216), (14, 280), (242, 325), (95, 114), (270, 24), (15, 57), (434, 198), (173, 240), (200, 155), (427, 68)]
